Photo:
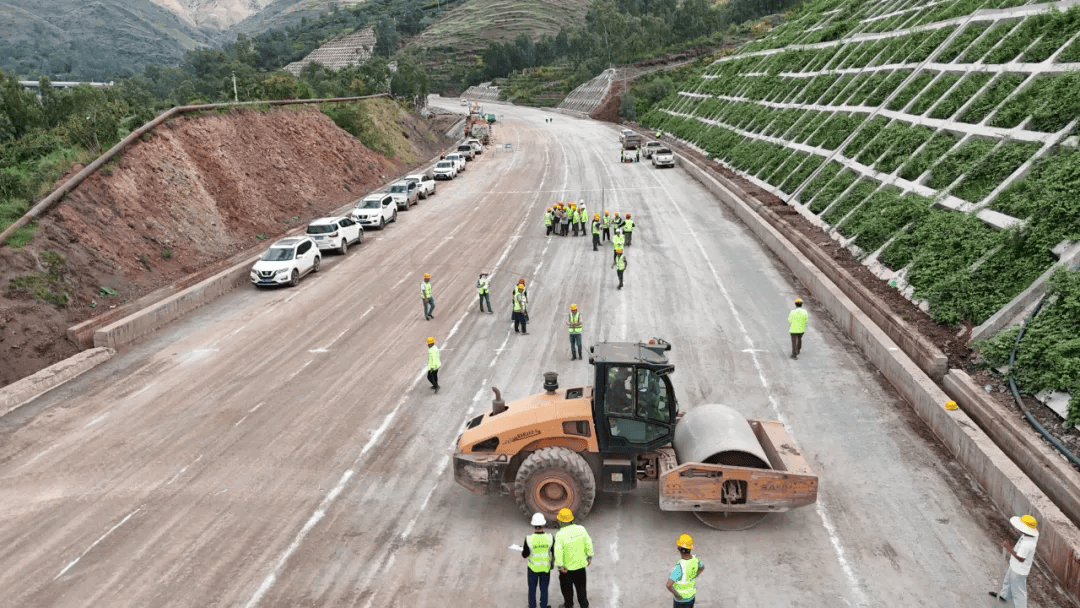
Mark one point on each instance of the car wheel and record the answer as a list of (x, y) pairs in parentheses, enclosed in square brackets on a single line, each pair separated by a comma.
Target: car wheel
[(393, 218), (344, 246), (318, 262), (295, 279), (360, 238), (432, 191), (382, 223)]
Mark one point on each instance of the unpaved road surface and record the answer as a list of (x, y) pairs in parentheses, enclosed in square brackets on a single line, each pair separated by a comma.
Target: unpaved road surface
[(281, 447)]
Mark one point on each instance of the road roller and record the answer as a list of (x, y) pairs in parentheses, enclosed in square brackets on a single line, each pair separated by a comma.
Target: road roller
[(557, 448)]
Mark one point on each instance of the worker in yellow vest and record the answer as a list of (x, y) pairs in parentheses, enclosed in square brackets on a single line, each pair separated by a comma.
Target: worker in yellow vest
[(484, 291), (539, 550), (573, 552), (425, 295), (628, 228), (797, 326), (574, 219), (433, 364), (682, 583), (618, 241), (619, 265), (583, 216), (547, 221), (595, 231), (606, 226), (521, 309), (573, 322)]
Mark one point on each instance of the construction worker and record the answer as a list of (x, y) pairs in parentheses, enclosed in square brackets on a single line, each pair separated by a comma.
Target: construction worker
[(547, 221), (433, 364), (619, 265), (520, 285), (573, 552), (565, 220), (637, 154), (617, 222), (574, 323), (484, 291), (617, 242), (575, 219), (682, 581), (539, 549), (595, 231), (425, 295), (628, 228), (797, 326), (1014, 587), (521, 309), (659, 134), (583, 214), (606, 226)]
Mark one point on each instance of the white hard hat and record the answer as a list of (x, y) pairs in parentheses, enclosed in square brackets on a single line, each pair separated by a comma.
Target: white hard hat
[(538, 520)]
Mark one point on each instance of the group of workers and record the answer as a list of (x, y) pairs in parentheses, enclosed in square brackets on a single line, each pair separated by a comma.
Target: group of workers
[(561, 217), (570, 550)]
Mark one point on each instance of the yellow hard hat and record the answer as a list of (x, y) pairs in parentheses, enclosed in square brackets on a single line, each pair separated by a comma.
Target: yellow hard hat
[(573, 307), (619, 250), (685, 542), (1025, 524), (521, 286), (596, 216), (427, 276), (430, 340), (573, 205), (607, 213), (950, 405), (549, 208), (798, 300), (566, 515), (616, 214)]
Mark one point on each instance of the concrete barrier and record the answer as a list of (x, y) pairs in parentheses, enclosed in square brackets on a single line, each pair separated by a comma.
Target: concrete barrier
[(1004, 482), (31, 387), (148, 320)]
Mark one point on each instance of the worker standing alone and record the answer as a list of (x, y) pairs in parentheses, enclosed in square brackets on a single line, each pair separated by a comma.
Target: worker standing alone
[(595, 231), (573, 552), (619, 265), (484, 292), (797, 326), (427, 298), (433, 364), (574, 323), (521, 309), (539, 549), (628, 228), (683, 580), (547, 221), (1014, 587)]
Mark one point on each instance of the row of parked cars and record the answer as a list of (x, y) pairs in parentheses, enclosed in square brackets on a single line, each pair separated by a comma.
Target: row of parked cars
[(291, 258), (658, 153), (453, 164)]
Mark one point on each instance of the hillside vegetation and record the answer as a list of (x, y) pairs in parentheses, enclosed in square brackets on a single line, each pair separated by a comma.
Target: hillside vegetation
[(936, 139)]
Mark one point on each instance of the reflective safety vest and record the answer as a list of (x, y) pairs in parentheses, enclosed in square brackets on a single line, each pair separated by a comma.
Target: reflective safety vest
[(425, 290), (628, 225), (573, 548), (482, 286), (620, 262), (519, 301), (433, 357), (797, 320), (606, 222), (575, 217), (583, 213), (547, 218), (596, 226), (617, 241), (539, 551), (575, 322), (685, 585)]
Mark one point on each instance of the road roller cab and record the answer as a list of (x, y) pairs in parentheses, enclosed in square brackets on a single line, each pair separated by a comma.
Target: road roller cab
[(551, 449)]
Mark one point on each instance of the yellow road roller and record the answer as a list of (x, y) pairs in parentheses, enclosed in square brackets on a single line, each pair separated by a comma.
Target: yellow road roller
[(557, 448)]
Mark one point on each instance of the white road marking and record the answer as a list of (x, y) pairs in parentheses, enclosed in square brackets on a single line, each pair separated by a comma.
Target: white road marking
[(222, 491), (181, 472), (837, 544), (39, 455), (614, 548), (298, 371), (326, 348), (412, 523), (88, 549), (97, 420)]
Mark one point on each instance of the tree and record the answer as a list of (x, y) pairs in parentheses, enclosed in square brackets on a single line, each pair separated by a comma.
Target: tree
[(410, 80), (386, 37)]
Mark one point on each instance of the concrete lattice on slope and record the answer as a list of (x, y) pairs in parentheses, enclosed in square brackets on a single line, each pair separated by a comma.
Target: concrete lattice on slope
[(342, 52)]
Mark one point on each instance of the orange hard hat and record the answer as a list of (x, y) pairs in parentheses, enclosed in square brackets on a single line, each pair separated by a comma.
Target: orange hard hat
[(627, 214)]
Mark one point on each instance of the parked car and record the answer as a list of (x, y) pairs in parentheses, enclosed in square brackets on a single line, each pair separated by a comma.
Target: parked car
[(650, 147), (478, 147), (376, 210), (467, 151), (286, 261), (404, 193), (445, 169), (662, 157), (335, 233), (458, 160), (425, 184), (623, 134)]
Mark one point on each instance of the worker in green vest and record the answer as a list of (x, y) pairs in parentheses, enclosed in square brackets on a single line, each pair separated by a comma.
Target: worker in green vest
[(797, 326), (433, 364), (574, 219), (683, 580), (521, 309), (574, 323), (547, 221), (595, 231), (606, 226), (618, 240), (583, 214), (539, 550), (573, 552), (619, 265), (628, 228), (425, 295), (483, 290)]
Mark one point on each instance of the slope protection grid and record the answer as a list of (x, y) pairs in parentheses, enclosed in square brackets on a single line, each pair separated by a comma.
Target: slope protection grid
[(927, 136)]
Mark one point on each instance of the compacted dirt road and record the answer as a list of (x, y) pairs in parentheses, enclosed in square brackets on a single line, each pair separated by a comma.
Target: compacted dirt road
[(281, 447)]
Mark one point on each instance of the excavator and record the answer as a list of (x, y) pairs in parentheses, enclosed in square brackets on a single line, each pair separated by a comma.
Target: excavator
[(556, 449)]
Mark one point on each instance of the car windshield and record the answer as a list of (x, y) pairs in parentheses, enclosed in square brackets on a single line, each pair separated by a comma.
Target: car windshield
[(321, 228), (444, 165), (397, 188), (370, 203), (278, 254), (663, 151)]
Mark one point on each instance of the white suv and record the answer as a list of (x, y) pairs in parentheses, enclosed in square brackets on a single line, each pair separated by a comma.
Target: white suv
[(286, 261), (662, 157), (425, 184), (335, 233), (458, 160), (445, 169), (404, 194), (376, 210), (478, 148)]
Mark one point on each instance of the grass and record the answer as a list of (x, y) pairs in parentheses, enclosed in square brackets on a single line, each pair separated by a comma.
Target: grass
[(48, 285)]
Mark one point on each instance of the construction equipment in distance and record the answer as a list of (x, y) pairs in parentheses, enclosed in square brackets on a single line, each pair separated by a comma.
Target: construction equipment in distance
[(550, 449), (477, 125)]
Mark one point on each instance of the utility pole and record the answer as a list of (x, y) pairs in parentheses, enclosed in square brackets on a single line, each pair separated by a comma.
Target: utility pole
[(236, 96)]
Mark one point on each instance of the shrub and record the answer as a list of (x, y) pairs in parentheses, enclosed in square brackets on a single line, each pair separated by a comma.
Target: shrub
[(960, 94), (830, 190), (864, 188), (811, 126), (836, 89), (932, 42), (891, 82), (987, 41), (961, 42), (869, 85), (1014, 111), (869, 130), (836, 130), (1020, 38), (958, 162), (794, 159), (933, 93), (912, 89), (817, 86), (1000, 164), (934, 149), (883, 215), (903, 139), (799, 175), (991, 96)]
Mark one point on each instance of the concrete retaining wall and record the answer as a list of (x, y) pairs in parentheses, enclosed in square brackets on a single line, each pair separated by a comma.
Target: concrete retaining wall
[(30, 387), (146, 321), (1004, 482)]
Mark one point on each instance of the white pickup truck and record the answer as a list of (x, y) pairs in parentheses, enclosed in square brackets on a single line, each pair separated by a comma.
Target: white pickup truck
[(663, 157)]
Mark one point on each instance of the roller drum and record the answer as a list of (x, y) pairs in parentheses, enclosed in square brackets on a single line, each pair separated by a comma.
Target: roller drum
[(712, 433)]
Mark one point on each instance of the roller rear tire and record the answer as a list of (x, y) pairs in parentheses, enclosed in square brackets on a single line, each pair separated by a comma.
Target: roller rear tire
[(554, 478)]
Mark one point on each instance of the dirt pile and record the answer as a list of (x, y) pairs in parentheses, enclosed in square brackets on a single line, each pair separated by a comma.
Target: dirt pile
[(196, 192)]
